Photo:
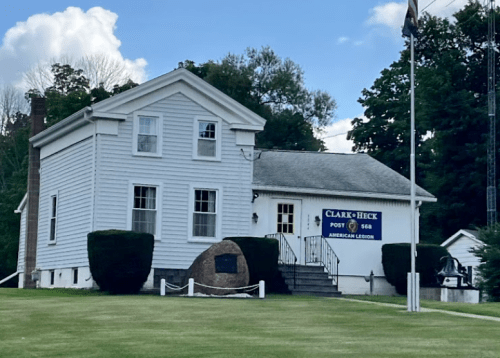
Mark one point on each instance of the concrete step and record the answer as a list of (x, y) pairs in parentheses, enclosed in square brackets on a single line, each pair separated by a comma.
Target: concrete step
[(309, 280), (302, 268), (317, 293), (315, 290)]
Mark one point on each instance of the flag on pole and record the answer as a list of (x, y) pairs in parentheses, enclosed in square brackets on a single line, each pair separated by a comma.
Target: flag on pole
[(411, 20)]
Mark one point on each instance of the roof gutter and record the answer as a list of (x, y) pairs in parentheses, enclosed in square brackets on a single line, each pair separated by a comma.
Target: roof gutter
[(342, 193)]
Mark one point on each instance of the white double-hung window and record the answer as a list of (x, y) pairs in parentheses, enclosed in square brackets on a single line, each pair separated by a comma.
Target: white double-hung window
[(147, 134), (147, 138), (205, 213), (207, 138), (144, 211)]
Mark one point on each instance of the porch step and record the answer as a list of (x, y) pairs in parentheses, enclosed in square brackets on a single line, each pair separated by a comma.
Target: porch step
[(309, 280)]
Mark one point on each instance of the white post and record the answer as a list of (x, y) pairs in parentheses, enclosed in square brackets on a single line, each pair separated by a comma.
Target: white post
[(413, 251), (162, 287), (409, 303), (191, 287), (417, 292), (262, 289)]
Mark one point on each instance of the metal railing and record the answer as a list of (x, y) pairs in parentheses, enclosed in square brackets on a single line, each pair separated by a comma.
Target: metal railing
[(287, 257), (318, 250)]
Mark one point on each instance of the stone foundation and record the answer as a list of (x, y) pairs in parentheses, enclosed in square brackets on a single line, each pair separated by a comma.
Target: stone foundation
[(174, 276)]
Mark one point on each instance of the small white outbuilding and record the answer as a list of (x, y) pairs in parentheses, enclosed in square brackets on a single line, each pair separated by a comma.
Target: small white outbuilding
[(460, 244)]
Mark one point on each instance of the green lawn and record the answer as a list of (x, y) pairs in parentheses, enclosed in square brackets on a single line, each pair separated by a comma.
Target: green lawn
[(66, 323), (483, 309)]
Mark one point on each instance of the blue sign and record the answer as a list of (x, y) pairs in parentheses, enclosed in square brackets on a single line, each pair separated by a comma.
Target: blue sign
[(352, 224)]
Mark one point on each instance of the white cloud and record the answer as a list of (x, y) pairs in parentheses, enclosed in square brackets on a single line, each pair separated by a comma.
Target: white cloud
[(72, 33), (335, 136), (392, 14), (342, 39)]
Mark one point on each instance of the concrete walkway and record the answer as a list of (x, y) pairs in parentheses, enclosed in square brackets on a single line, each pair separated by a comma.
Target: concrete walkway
[(453, 313)]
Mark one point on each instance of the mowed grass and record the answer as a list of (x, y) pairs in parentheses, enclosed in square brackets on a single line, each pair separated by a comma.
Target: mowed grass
[(65, 323), (483, 309)]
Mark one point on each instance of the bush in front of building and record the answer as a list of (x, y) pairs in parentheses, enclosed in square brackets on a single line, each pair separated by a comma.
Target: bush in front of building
[(120, 261), (396, 261), (261, 255)]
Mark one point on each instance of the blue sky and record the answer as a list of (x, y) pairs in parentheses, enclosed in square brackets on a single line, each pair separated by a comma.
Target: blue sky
[(342, 46)]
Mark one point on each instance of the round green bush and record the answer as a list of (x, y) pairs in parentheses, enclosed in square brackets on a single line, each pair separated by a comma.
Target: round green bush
[(261, 255), (396, 261), (120, 261)]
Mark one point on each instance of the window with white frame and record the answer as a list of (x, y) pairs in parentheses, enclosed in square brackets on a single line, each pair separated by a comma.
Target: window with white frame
[(207, 139), (53, 218), (147, 138), (144, 210), (207, 142), (147, 134), (205, 213)]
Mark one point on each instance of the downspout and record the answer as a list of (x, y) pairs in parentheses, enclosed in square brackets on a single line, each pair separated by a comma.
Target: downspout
[(88, 113)]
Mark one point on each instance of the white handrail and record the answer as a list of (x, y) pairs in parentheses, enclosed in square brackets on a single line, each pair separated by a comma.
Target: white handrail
[(9, 277)]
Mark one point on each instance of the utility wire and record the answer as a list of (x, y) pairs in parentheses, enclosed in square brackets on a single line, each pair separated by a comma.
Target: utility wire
[(429, 5), (450, 3)]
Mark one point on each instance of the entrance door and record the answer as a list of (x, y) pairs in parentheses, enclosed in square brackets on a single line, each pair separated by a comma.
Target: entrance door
[(287, 220)]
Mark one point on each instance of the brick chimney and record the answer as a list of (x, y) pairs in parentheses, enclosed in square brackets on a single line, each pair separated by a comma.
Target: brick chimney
[(37, 125)]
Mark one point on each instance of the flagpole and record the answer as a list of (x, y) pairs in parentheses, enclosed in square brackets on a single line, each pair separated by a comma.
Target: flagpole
[(414, 304)]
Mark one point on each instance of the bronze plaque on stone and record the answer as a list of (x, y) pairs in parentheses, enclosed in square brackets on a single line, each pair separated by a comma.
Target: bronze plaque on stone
[(226, 263)]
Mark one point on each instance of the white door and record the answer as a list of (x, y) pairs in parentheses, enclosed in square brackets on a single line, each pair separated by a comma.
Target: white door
[(287, 221)]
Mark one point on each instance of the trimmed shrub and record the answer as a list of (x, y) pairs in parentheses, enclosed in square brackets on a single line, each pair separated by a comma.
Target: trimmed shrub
[(396, 261), (262, 259), (120, 261)]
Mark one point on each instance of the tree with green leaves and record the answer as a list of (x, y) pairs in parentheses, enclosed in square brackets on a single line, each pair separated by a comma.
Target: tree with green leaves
[(274, 89), (451, 119), (489, 269), (69, 92)]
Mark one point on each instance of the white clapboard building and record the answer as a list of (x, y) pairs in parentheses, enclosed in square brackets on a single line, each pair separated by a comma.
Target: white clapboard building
[(460, 245), (175, 157)]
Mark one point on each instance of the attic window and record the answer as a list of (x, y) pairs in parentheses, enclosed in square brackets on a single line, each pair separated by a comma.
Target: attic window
[(207, 138), (147, 136), (147, 139)]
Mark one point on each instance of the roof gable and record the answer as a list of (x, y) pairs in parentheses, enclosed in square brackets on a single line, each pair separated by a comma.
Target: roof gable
[(471, 234), (178, 81)]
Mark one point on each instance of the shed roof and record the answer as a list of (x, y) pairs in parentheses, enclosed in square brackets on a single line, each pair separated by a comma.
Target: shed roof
[(471, 234), (331, 174)]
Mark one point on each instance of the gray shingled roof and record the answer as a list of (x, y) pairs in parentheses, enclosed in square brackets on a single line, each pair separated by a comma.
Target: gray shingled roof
[(355, 173), (473, 232)]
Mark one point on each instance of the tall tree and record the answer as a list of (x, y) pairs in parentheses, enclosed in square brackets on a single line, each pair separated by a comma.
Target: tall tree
[(451, 119), (99, 69), (274, 89)]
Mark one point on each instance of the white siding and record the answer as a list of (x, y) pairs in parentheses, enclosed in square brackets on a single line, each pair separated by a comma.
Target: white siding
[(22, 241), (357, 257), (175, 170), (460, 250), (69, 172)]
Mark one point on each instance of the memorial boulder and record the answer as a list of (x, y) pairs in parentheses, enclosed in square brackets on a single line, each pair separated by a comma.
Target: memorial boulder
[(221, 265)]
